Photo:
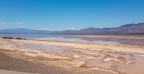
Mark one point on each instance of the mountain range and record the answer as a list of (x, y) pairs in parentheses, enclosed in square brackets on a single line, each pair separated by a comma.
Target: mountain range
[(124, 29)]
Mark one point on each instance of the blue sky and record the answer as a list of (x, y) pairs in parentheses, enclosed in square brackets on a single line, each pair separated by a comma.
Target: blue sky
[(69, 14)]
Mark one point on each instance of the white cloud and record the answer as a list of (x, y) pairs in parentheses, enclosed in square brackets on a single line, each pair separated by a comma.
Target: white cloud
[(72, 28), (44, 28), (3, 23), (18, 23), (10, 23)]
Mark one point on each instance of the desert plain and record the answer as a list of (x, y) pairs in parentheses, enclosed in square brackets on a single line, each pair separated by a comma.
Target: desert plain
[(29, 56)]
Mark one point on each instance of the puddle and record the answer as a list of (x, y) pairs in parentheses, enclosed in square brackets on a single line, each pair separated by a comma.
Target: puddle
[(77, 40), (44, 47)]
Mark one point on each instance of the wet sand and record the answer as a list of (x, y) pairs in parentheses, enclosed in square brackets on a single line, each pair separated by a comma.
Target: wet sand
[(70, 58), (27, 65)]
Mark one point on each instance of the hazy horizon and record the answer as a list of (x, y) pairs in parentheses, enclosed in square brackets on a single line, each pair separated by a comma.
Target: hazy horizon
[(65, 29), (58, 15)]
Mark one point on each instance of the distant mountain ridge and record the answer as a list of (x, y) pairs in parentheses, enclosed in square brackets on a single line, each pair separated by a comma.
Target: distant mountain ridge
[(22, 30), (124, 29)]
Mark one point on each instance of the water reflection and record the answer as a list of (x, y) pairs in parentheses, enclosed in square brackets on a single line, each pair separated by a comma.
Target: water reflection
[(43, 47), (77, 40), (101, 39)]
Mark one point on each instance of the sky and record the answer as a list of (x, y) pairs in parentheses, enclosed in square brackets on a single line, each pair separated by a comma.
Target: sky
[(57, 15)]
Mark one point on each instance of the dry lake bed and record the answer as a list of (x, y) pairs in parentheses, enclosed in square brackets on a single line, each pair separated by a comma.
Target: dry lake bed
[(72, 54)]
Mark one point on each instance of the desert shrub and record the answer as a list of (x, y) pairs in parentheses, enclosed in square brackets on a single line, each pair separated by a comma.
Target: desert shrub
[(7, 37)]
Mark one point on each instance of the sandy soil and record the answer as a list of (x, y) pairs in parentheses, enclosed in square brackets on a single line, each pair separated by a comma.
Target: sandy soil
[(12, 72), (80, 58)]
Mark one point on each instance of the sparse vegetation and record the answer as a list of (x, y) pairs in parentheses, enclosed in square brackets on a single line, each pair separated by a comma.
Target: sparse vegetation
[(13, 38), (7, 38)]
